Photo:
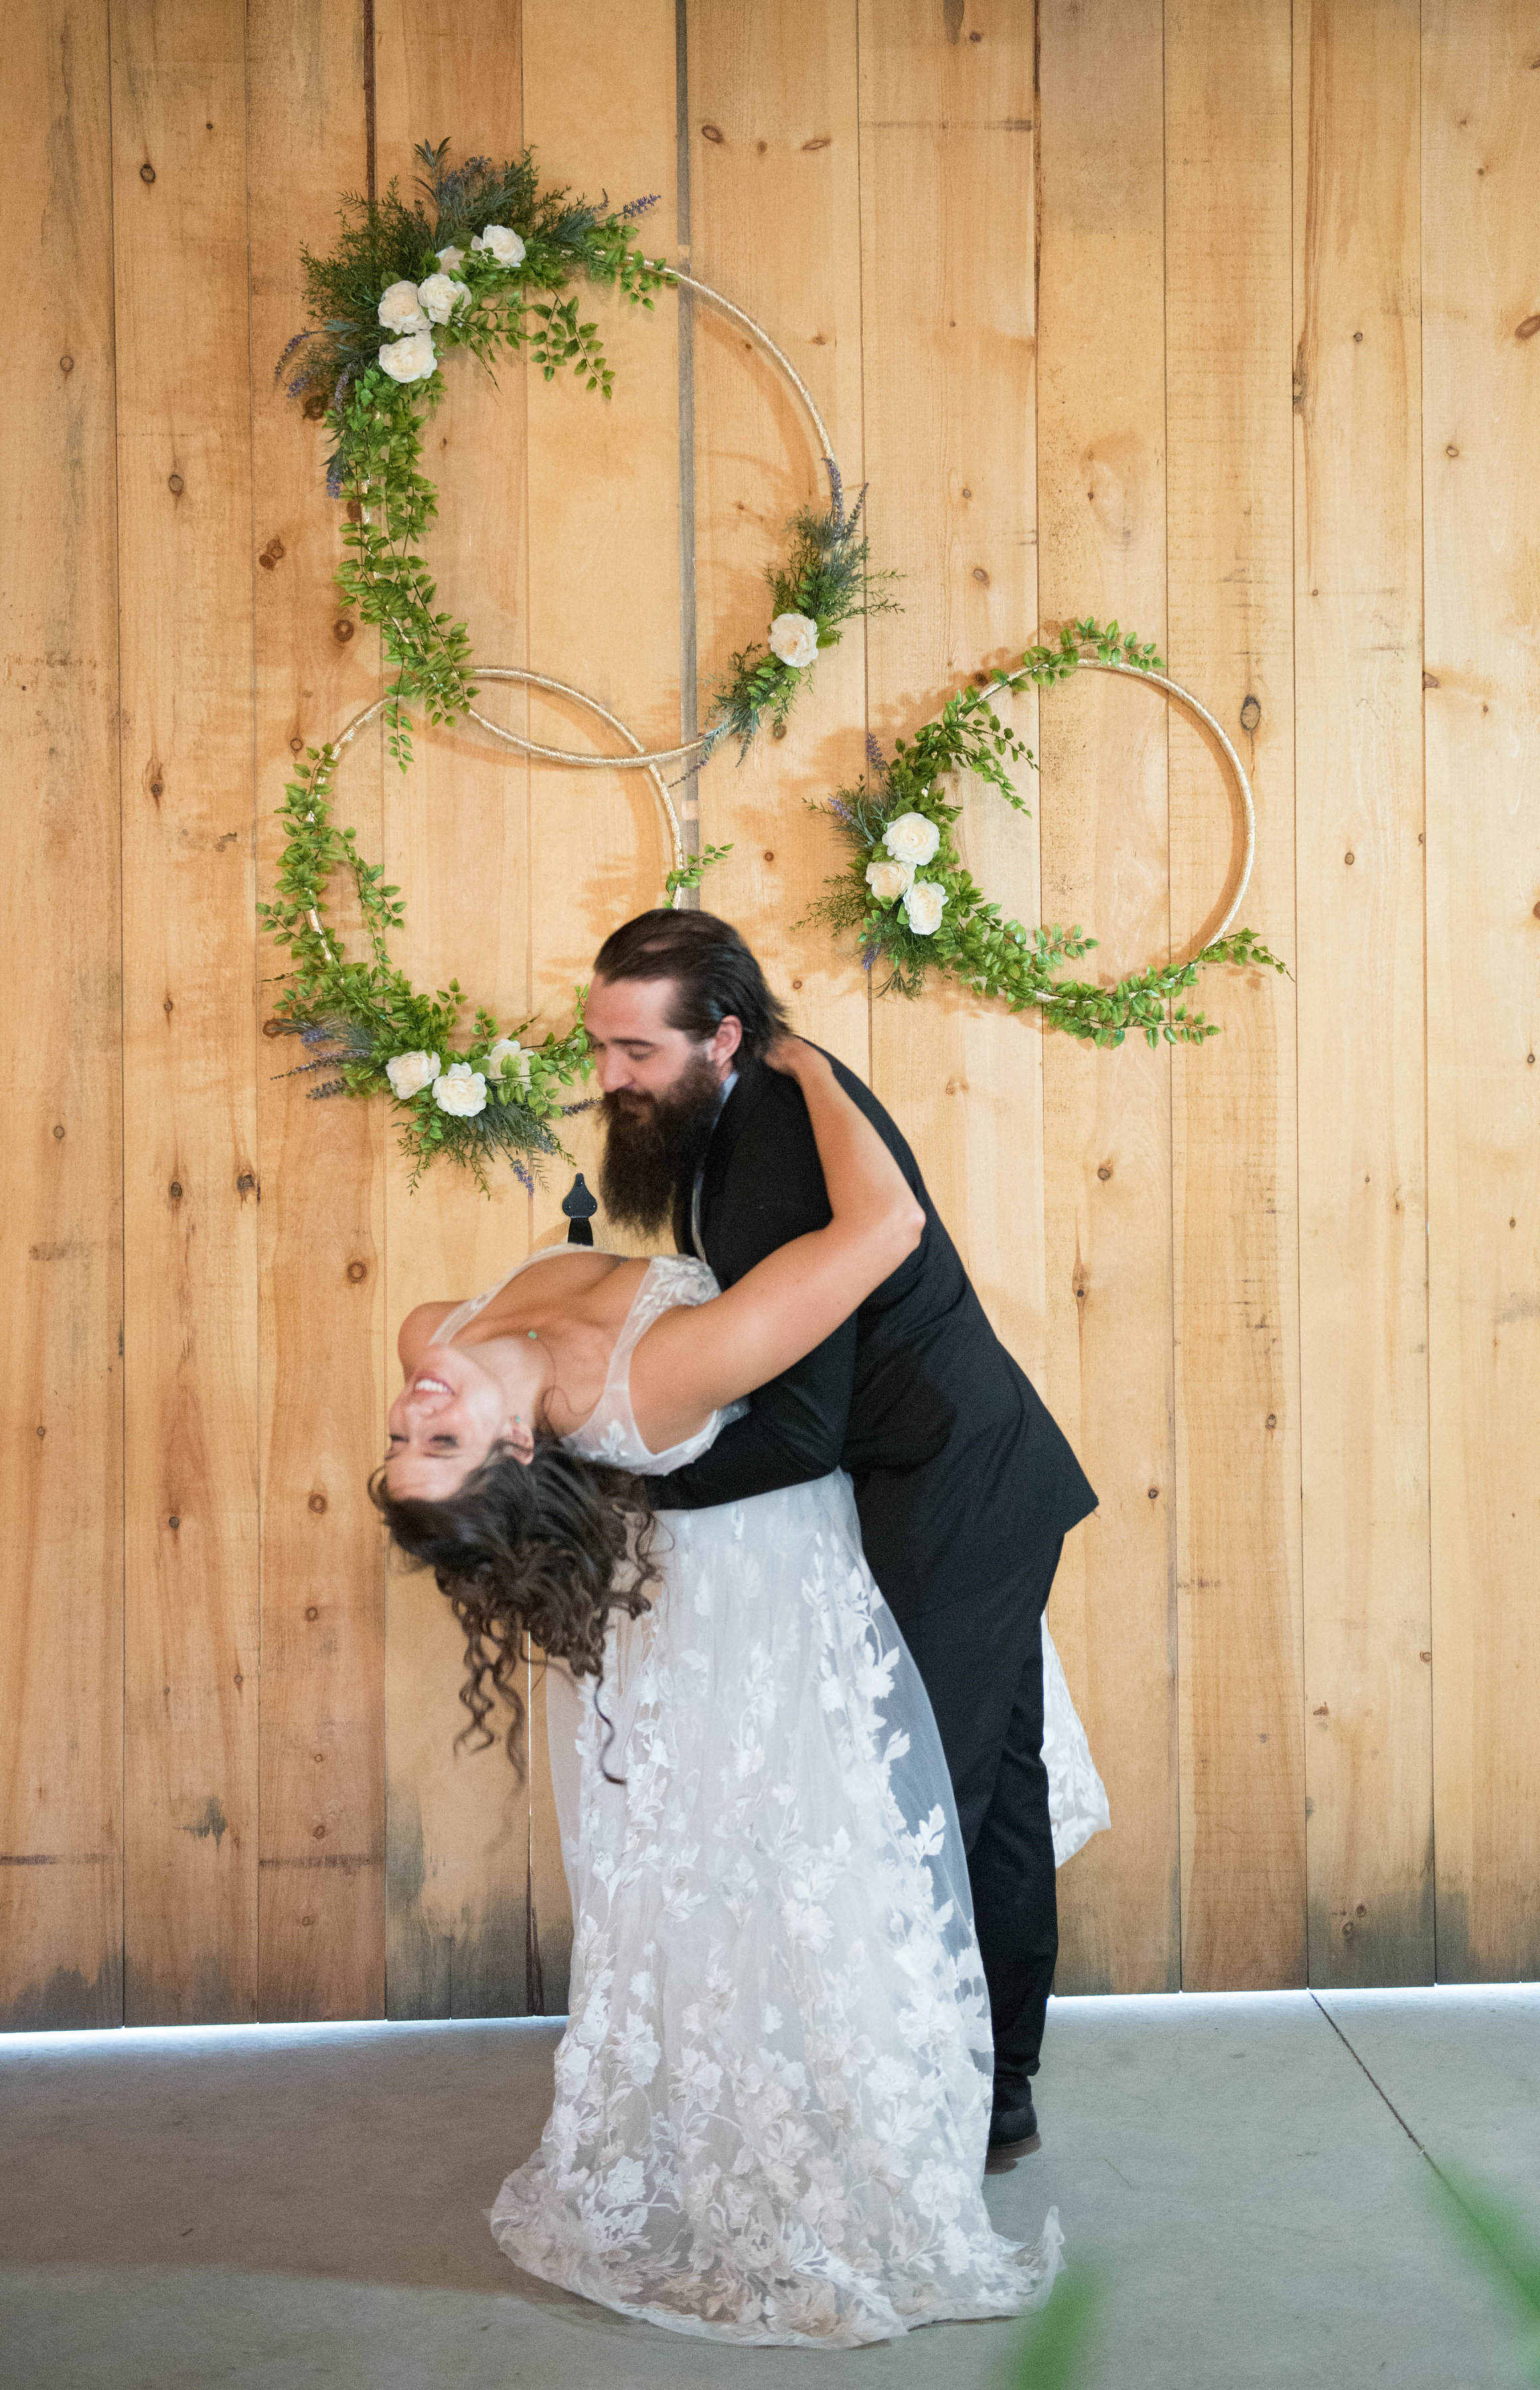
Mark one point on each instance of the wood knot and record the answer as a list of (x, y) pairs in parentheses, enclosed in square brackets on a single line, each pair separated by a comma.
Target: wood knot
[(274, 1028), (67, 364), (317, 1503), (245, 1182), (176, 484), (342, 630), (1431, 680), (796, 983), (819, 141), (1104, 1170), (1350, 856), (311, 1610), (979, 575), (1528, 328), (713, 132), (173, 1523), (1251, 713), (1451, 450), (1154, 1493), (315, 406), (1272, 1418), (177, 1190), (272, 554), (146, 173), (357, 1273), (58, 1128), (318, 1833), (778, 730)]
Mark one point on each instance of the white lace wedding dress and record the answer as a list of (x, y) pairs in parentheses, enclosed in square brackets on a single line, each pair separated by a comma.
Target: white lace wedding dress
[(772, 2096)]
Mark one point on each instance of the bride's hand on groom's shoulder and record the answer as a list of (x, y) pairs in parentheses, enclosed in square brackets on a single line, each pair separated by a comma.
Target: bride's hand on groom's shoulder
[(796, 1058)]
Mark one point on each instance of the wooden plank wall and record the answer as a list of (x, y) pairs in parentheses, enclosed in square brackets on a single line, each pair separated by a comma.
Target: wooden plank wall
[(1218, 318)]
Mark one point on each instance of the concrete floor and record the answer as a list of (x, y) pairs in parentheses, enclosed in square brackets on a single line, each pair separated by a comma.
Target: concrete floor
[(267, 2206)]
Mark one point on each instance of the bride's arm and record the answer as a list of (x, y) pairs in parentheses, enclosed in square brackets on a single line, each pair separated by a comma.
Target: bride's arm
[(693, 1360)]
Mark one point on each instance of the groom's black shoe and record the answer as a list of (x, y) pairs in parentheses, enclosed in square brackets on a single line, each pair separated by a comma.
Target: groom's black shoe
[(1012, 2134)]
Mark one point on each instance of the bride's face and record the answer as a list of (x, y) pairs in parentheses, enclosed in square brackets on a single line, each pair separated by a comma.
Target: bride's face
[(452, 1410)]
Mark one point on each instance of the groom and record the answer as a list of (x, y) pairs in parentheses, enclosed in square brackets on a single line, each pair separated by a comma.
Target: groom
[(965, 1488)]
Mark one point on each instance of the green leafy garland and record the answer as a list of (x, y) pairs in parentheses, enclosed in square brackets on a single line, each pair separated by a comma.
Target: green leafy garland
[(492, 271), (374, 1034), (915, 907)]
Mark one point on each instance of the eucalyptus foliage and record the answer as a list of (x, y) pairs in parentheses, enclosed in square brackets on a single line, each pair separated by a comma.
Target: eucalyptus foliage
[(974, 942)]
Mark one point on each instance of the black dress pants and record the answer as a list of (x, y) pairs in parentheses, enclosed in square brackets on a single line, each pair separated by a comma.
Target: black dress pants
[(984, 1677)]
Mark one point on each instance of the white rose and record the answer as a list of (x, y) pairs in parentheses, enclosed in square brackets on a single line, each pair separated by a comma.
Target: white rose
[(503, 246), (399, 311), (923, 904), (504, 1052), (795, 637), (887, 880), (409, 1073), (409, 360), (461, 1091), (450, 258), (441, 297), (913, 838)]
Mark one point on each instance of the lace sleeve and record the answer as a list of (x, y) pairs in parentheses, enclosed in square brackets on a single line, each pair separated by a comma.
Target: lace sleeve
[(610, 1433)]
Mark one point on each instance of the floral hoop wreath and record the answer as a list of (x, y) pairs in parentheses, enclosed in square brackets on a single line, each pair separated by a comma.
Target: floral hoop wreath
[(488, 274), (914, 906)]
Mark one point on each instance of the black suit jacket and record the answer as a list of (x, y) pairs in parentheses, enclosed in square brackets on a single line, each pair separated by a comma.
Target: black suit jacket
[(961, 1476)]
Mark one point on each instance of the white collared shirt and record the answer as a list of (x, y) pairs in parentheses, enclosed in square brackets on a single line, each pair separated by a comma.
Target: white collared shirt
[(728, 1084)]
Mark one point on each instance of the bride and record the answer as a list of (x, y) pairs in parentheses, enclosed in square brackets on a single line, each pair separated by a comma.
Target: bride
[(773, 2094)]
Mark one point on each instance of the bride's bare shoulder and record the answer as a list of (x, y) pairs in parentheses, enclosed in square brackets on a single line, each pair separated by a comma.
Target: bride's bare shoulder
[(418, 1329)]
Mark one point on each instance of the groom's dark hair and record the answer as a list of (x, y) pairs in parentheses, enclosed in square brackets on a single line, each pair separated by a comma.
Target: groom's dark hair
[(712, 971)]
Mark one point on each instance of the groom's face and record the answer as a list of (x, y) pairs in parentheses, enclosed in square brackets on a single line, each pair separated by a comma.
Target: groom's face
[(662, 1090), (637, 1050)]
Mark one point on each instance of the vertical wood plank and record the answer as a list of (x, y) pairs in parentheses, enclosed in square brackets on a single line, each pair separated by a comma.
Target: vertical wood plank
[(948, 361), (179, 173), (604, 598), (1481, 174), (321, 1875), (60, 1170), (773, 140), (604, 569), (1235, 1243), (1363, 1186), (1107, 1127), (456, 837)]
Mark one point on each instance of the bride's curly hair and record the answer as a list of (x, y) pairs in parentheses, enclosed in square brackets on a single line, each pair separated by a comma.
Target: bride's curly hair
[(529, 1552)]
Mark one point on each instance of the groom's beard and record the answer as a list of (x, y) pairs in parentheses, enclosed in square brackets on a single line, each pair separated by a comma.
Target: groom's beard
[(654, 1145)]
